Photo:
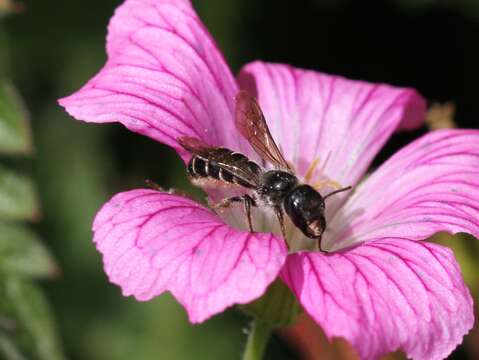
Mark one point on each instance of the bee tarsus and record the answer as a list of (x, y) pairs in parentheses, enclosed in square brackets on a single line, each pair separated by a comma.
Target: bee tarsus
[(153, 185), (248, 202), (280, 215)]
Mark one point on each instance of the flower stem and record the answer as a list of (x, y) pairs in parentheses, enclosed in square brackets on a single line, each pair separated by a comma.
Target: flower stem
[(258, 338)]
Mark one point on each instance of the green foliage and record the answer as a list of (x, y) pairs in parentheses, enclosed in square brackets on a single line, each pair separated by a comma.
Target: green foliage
[(18, 200), (8, 348), (14, 128), (23, 254), (27, 329), (30, 330)]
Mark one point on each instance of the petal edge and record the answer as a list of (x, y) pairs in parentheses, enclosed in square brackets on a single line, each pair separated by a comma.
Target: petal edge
[(431, 185), (386, 295), (153, 242), (164, 77), (343, 122)]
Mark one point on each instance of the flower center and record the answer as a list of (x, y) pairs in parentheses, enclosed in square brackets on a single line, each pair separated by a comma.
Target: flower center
[(264, 218)]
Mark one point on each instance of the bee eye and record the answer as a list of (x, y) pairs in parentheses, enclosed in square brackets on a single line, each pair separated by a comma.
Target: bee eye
[(313, 207)]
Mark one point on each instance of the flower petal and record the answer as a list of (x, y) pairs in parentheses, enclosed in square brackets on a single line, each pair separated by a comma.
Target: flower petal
[(344, 122), (431, 185), (386, 295), (152, 242), (164, 77)]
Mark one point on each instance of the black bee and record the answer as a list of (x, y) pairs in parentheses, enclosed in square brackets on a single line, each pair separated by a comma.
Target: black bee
[(279, 189)]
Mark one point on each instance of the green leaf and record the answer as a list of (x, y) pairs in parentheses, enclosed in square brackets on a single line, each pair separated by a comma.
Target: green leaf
[(18, 200), (8, 349), (34, 332), (14, 125), (22, 253)]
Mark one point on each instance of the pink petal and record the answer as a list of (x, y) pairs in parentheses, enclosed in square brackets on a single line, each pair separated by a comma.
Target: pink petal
[(152, 242), (386, 295), (429, 186), (164, 77), (344, 122)]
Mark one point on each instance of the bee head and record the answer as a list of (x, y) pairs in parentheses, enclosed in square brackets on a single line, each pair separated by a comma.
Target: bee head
[(305, 207)]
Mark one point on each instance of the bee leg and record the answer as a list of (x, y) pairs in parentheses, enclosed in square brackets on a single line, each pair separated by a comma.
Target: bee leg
[(319, 246), (227, 202), (153, 185), (280, 216), (248, 202)]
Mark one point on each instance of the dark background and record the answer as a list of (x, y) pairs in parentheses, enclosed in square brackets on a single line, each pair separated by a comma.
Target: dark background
[(56, 45)]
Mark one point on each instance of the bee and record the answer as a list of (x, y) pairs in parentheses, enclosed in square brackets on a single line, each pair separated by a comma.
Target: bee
[(279, 189)]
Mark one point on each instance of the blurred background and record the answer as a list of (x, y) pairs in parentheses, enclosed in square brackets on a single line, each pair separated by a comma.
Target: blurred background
[(49, 48)]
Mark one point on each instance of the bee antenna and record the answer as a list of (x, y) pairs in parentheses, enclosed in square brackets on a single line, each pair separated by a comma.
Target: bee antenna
[(337, 191)]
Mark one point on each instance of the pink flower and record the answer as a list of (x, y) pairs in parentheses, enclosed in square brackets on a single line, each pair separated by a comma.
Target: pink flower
[(381, 287)]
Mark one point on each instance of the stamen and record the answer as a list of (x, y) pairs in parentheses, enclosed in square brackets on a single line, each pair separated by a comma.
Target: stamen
[(311, 169), (326, 183)]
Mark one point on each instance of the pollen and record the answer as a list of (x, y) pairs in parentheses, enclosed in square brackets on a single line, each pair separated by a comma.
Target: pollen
[(322, 182)]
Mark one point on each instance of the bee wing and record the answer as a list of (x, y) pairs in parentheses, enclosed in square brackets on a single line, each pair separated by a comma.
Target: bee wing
[(252, 125), (221, 157), (195, 145)]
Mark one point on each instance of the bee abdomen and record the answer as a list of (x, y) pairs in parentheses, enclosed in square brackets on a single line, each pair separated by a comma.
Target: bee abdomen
[(200, 168)]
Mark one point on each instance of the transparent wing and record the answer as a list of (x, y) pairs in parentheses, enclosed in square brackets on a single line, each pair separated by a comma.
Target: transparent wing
[(195, 145), (252, 125)]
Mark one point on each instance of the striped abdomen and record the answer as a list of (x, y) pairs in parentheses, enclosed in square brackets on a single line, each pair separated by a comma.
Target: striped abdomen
[(224, 165)]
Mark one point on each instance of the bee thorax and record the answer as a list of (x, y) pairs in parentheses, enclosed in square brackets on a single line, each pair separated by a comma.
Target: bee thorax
[(276, 184)]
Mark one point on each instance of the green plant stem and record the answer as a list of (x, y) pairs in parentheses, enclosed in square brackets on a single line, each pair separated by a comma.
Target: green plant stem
[(258, 338)]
